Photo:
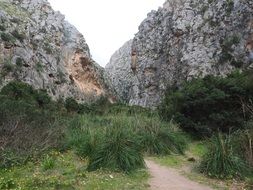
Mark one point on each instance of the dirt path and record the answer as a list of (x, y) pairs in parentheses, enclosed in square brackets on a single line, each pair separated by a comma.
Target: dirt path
[(170, 179)]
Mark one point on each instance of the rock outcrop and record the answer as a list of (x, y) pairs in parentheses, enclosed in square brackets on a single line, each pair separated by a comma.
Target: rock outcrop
[(39, 47), (119, 72), (186, 39)]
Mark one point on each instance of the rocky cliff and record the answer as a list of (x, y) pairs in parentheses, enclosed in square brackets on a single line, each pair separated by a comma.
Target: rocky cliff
[(39, 47), (182, 40), (119, 72)]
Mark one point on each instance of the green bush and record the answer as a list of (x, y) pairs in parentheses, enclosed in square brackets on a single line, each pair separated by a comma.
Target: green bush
[(24, 92), (220, 161), (242, 142), (30, 123), (71, 105), (204, 106), (42, 98), (122, 138), (117, 151), (18, 90), (157, 139), (105, 143)]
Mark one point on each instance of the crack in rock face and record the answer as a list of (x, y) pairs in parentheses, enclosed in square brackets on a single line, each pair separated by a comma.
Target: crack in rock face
[(183, 40)]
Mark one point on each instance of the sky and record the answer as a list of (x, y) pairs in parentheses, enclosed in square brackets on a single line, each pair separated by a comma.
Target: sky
[(106, 24)]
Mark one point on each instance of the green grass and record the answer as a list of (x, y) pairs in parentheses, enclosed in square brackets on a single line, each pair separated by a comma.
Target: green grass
[(221, 161), (195, 150), (198, 149), (69, 172), (110, 139), (174, 161), (118, 141)]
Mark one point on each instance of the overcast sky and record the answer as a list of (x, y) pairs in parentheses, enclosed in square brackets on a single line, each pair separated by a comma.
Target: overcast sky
[(106, 24)]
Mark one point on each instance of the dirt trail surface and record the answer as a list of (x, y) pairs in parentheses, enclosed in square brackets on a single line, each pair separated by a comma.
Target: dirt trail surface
[(169, 179)]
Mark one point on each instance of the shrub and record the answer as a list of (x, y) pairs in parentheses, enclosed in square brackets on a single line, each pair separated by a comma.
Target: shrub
[(220, 161), (204, 106), (158, 139), (30, 123), (71, 105), (42, 98), (101, 105), (242, 142), (118, 151), (18, 90), (86, 108)]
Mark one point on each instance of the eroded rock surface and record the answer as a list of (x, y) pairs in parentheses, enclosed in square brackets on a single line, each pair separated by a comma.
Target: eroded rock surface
[(119, 71), (39, 47), (186, 39)]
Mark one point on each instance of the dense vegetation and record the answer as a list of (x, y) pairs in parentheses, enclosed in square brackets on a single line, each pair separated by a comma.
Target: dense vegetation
[(221, 108), (221, 160), (118, 140), (32, 124), (115, 138), (206, 106)]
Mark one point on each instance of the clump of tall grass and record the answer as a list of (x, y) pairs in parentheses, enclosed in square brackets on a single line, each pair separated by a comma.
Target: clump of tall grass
[(48, 163), (220, 161), (118, 141), (105, 143), (157, 138), (242, 141), (118, 150)]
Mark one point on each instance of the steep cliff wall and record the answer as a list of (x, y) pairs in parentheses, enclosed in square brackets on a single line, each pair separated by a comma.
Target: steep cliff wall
[(119, 71), (186, 39), (39, 47)]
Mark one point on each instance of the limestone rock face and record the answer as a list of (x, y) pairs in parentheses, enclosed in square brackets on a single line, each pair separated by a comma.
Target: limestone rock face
[(39, 47), (119, 71), (186, 39)]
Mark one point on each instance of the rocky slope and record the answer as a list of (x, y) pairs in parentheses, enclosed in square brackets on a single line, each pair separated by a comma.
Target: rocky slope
[(186, 39), (39, 47)]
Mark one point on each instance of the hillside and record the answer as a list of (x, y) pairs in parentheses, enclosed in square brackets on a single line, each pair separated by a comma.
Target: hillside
[(183, 40), (39, 47)]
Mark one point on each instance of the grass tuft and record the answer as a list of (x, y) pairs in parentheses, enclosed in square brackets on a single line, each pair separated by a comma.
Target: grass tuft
[(220, 161)]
